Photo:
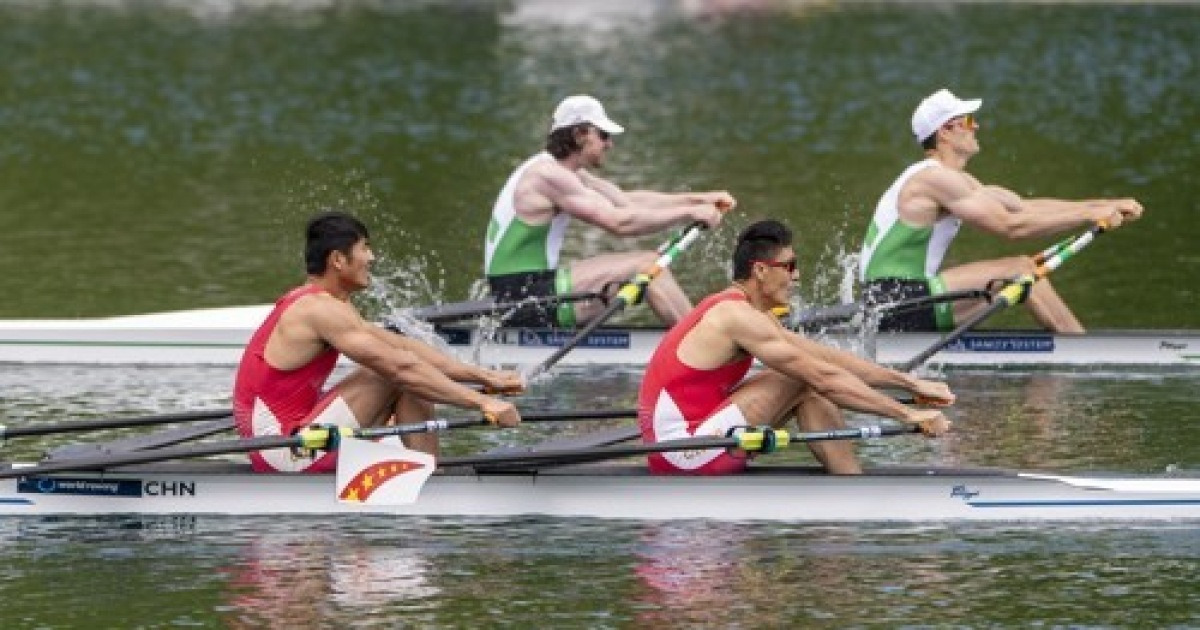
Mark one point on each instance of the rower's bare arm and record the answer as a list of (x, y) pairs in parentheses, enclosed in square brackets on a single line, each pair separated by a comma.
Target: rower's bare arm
[(875, 375), (766, 340), (623, 219), (494, 381), (342, 327), (1002, 212)]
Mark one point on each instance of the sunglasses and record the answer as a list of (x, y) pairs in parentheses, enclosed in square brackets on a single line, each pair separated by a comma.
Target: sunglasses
[(969, 121), (789, 265)]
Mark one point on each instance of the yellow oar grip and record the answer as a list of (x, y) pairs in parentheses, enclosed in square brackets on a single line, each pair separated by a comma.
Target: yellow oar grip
[(755, 440), (1017, 291), (318, 437), (631, 293)]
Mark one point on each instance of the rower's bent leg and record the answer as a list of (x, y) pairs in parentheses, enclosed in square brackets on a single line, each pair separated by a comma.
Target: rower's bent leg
[(411, 408), (667, 299), (817, 413), (610, 271), (770, 398), (1050, 311)]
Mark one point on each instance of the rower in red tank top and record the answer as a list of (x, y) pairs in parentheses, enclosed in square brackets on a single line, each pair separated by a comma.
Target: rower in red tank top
[(281, 381), (271, 401), (696, 383), (678, 401)]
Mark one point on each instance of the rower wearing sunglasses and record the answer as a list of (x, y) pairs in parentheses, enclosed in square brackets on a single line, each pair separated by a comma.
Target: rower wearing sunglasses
[(919, 215), (696, 382), (531, 214)]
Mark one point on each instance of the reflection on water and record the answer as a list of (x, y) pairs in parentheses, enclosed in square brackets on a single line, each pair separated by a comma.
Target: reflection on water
[(380, 572)]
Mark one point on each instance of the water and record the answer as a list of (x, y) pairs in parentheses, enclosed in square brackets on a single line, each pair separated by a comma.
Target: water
[(210, 571), (162, 155)]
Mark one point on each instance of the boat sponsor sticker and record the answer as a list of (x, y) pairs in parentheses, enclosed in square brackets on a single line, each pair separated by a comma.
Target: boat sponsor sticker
[(541, 338), (1003, 343), (609, 339), (136, 488)]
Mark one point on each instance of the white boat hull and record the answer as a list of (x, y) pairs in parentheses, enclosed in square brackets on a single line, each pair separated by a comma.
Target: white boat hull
[(626, 492), (217, 337)]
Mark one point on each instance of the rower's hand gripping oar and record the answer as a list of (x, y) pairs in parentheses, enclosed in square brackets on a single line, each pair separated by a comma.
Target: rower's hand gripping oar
[(631, 293), (1015, 291)]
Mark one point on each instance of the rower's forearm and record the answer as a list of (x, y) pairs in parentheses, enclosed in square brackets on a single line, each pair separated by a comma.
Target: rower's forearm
[(849, 392), (868, 371), (1049, 217), (656, 200), (427, 382)]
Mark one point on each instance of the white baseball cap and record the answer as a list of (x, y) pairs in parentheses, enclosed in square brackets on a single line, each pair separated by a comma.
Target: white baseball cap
[(937, 109), (583, 109)]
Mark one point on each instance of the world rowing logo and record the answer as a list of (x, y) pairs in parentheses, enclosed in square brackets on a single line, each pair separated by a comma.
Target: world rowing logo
[(373, 477)]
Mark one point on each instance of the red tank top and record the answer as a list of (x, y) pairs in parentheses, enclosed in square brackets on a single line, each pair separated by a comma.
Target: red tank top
[(290, 395), (697, 392)]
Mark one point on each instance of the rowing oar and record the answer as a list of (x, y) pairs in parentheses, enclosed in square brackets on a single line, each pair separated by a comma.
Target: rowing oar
[(1015, 290), (121, 423), (111, 423), (631, 293), (749, 440), (815, 318), (458, 311), (310, 438)]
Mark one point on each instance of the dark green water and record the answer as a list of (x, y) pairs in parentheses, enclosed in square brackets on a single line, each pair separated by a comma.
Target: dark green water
[(164, 155)]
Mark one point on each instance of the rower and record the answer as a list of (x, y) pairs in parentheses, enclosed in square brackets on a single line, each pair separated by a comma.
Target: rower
[(531, 213), (694, 383), (290, 357), (918, 217)]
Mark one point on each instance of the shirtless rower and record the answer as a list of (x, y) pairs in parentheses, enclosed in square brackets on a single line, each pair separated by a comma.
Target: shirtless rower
[(694, 384), (290, 357), (920, 214), (531, 214)]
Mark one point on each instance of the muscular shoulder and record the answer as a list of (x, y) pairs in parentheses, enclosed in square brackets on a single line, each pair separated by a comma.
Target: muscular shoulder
[(318, 314), (732, 317), (542, 187), (931, 191)]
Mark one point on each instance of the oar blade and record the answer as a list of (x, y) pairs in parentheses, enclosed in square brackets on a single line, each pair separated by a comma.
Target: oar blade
[(381, 473)]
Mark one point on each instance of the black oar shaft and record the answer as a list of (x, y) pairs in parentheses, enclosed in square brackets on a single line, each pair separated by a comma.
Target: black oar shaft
[(112, 423), (157, 455), (1015, 292), (953, 336), (631, 292)]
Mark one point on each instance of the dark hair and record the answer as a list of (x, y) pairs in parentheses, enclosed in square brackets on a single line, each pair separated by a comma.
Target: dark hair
[(759, 241), (563, 142), (329, 232), (930, 143)]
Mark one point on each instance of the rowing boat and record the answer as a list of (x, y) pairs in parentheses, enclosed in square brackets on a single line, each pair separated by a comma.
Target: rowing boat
[(626, 491), (217, 336)]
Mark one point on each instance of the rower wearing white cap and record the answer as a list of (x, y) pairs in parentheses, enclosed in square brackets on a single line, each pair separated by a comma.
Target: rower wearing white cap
[(919, 215), (531, 214)]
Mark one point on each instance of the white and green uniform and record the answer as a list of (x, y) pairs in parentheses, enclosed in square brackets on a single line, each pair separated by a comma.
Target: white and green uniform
[(521, 260), (894, 250), (514, 246)]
